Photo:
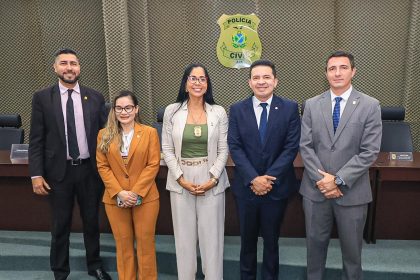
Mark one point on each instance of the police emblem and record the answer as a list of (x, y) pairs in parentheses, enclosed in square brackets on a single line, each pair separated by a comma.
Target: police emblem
[(239, 44)]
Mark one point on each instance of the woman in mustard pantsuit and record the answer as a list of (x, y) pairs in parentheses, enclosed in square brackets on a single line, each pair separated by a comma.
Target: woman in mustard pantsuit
[(128, 157)]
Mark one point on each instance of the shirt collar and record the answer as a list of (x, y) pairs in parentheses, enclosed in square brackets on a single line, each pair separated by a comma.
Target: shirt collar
[(256, 102), (345, 95), (63, 89)]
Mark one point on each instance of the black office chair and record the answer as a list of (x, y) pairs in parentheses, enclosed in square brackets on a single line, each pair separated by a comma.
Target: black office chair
[(159, 123), (108, 106), (302, 107), (396, 133), (10, 131)]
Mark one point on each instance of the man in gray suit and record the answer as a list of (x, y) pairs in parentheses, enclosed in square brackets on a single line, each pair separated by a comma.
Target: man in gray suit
[(340, 139)]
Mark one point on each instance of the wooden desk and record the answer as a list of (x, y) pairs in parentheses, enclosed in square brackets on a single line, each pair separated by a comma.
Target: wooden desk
[(394, 213), (397, 199), (21, 209)]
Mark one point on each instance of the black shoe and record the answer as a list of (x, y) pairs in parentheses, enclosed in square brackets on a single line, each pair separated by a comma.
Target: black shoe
[(100, 274)]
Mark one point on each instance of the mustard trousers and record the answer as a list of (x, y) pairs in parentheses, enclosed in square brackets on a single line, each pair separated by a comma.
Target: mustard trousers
[(134, 228)]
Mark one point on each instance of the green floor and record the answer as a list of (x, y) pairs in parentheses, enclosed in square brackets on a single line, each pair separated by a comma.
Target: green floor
[(25, 255)]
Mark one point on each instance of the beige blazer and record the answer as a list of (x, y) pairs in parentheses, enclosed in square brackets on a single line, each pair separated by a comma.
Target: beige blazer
[(142, 168), (174, 122)]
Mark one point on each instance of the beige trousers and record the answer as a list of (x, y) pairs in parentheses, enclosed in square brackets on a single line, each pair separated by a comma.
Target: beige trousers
[(198, 220)]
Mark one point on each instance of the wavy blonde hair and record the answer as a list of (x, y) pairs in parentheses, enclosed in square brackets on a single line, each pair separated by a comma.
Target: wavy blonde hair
[(113, 129)]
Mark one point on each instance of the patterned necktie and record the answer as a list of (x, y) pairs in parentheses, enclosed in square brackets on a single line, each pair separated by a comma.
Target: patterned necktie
[(336, 112), (71, 128), (263, 122)]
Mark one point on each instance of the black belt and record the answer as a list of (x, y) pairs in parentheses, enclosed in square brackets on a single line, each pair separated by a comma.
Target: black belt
[(78, 161)]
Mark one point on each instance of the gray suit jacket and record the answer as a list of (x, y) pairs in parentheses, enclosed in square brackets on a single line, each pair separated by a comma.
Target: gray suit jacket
[(348, 153)]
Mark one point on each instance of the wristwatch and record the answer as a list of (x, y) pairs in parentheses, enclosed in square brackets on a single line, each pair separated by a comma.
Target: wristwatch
[(215, 180), (338, 181)]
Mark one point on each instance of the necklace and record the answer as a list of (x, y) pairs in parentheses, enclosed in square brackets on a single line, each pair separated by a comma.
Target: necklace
[(197, 128)]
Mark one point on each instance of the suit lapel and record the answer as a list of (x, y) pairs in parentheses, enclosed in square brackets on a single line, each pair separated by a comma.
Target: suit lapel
[(86, 111), (250, 120), (58, 111), (325, 104), (211, 120), (275, 108), (114, 150), (135, 141), (351, 105), (179, 126)]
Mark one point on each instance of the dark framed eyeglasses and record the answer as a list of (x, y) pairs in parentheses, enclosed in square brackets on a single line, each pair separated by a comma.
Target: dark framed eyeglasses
[(194, 79), (128, 109)]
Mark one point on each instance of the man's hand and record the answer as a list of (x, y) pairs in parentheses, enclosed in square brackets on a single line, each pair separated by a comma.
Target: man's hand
[(327, 186), (262, 185), (327, 183), (336, 193), (40, 186)]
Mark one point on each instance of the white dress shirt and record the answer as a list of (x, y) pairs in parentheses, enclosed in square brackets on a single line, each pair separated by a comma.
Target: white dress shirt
[(258, 108), (78, 117), (343, 102)]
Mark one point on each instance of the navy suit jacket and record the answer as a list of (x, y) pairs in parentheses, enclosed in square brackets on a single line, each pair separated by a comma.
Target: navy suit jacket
[(274, 157), (47, 140)]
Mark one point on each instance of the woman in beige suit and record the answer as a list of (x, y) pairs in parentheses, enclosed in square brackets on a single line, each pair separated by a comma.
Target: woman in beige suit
[(194, 144), (128, 158)]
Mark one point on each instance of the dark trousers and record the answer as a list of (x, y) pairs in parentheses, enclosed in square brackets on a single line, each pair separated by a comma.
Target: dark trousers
[(260, 216), (81, 182)]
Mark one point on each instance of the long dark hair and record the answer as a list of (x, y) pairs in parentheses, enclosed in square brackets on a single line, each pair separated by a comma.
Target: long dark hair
[(183, 95)]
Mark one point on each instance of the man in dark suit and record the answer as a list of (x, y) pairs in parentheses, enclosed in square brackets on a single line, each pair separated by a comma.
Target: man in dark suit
[(66, 118), (263, 140), (341, 138)]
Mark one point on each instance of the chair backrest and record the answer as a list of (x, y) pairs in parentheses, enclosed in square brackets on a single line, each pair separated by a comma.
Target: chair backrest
[(160, 114), (10, 131), (158, 125), (302, 107), (392, 113), (108, 106), (396, 133)]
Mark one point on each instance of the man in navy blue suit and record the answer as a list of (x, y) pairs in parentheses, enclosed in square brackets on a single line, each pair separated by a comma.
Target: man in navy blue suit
[(263, 140)]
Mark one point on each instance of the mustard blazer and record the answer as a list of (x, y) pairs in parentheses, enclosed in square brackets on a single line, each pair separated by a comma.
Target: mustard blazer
[(142, 168)]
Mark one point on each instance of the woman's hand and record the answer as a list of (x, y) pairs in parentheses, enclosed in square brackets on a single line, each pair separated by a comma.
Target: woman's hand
[(189, 186), (128, 198), (206, 186)]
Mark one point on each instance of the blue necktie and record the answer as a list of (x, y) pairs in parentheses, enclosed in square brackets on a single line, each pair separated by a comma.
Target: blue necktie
[(336, 112), (263, 122)]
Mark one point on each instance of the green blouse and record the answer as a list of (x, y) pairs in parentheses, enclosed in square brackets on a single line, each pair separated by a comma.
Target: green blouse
[(194, 141)]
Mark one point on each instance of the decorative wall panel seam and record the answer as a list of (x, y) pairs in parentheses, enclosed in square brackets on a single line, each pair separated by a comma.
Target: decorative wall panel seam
[(117, 42)]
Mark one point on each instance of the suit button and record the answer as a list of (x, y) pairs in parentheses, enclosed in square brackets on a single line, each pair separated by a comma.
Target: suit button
[(126, 176), (332, 149)]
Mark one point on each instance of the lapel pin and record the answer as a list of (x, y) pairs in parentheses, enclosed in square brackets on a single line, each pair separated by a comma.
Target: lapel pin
[(138, 136), (354, 102), (85, 98), (276, 108)]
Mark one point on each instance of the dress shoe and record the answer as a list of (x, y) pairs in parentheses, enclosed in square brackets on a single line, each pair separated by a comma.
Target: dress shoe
[(100, 274)]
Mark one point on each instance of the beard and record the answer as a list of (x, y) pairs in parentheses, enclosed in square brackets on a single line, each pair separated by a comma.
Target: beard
[(68, 81)]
